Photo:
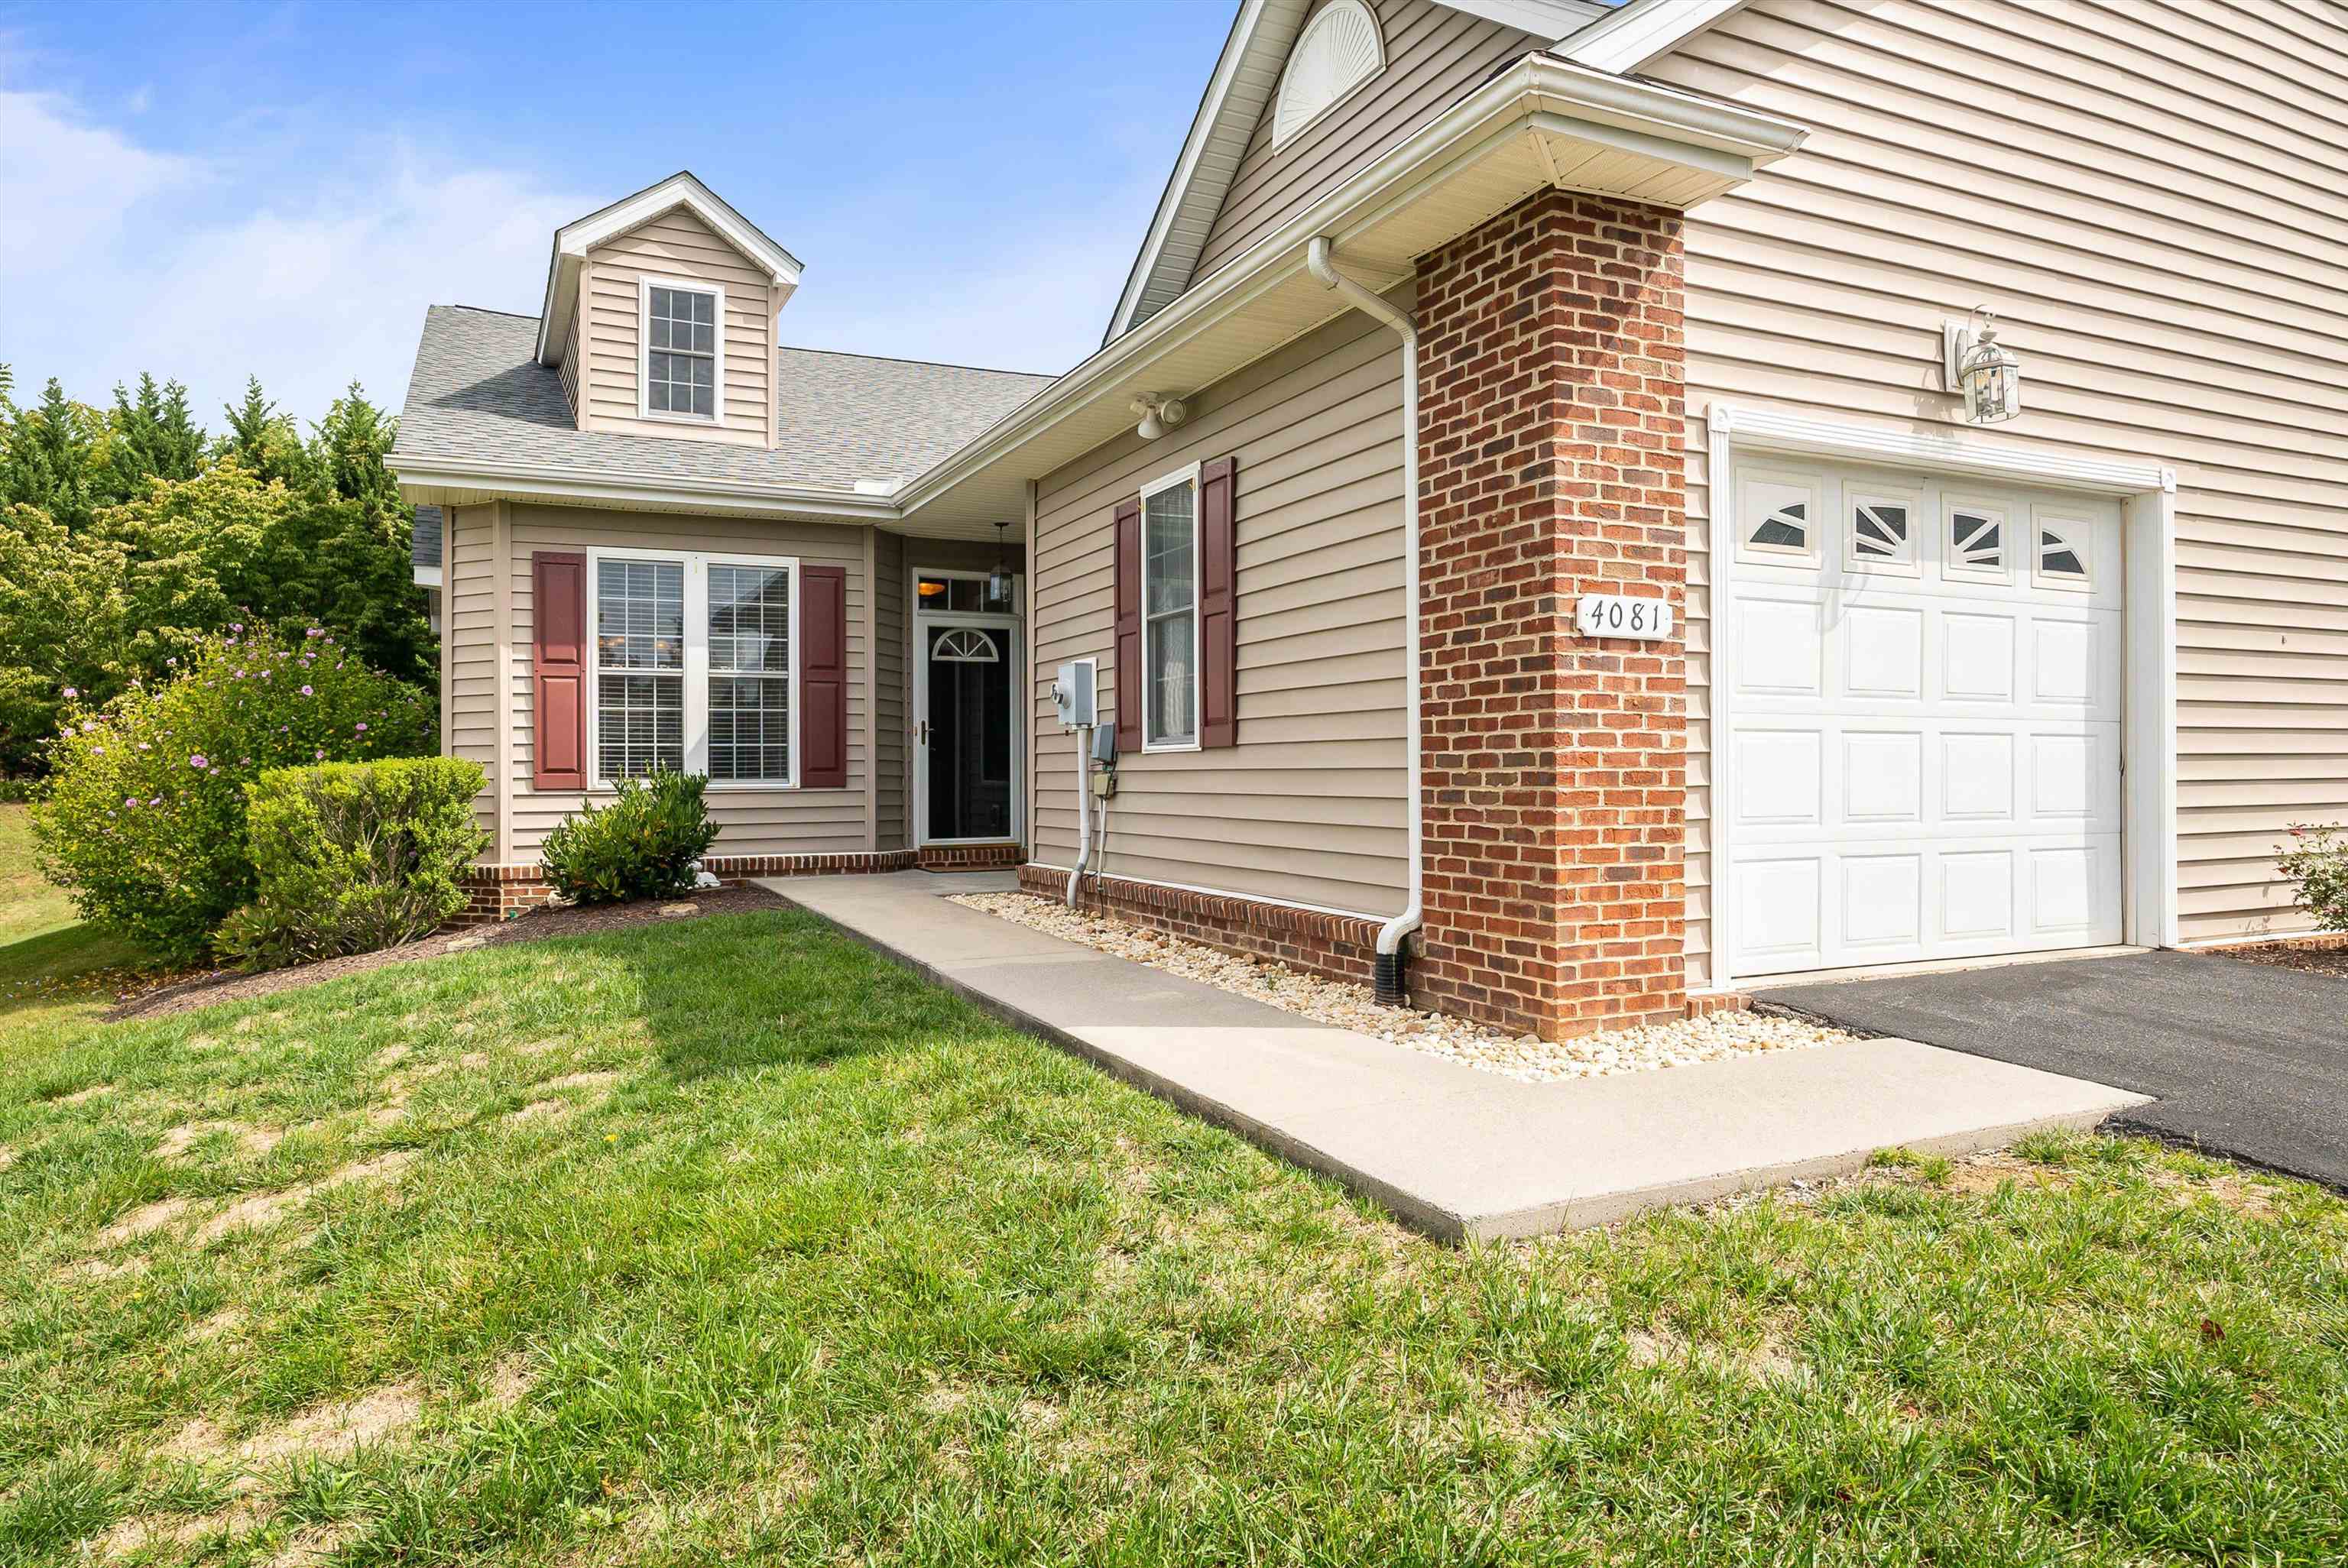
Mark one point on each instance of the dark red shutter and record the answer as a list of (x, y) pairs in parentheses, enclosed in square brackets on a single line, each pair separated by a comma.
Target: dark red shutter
[(1127, 662), (558, 669), (1219, 604), (823, 677)]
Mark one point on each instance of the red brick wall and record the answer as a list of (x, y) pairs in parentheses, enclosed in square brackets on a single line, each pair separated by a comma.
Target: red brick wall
[(1551, 375), (1340, 946)]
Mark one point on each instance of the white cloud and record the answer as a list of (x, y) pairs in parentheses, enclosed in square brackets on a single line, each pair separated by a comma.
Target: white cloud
[(116, 259)]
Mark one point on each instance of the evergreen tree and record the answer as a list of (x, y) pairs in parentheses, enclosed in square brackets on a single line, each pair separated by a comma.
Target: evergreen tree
[(153, 437), (49, 457), (266, 443)]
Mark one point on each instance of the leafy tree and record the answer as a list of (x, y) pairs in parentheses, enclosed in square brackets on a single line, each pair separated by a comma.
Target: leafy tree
[(125, 542)]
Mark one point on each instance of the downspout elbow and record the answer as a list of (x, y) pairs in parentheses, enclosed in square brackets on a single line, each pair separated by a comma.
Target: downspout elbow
[(1320, 259)]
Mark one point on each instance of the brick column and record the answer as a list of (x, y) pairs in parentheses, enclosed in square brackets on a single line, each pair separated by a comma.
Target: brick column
[(1552, 374)]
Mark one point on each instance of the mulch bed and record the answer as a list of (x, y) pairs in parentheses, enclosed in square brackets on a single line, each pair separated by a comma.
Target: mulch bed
[(2331, 959), (538, 925)]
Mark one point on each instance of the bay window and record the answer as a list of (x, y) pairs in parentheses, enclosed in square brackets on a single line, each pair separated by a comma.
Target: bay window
[(694, 669)]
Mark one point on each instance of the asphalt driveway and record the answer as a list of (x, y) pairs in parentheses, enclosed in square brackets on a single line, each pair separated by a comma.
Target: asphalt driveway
[(2245, 1060)]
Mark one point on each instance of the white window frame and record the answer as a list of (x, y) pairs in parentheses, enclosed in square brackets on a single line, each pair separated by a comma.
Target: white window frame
[(696, 566), (1186, 476), (644, 409)]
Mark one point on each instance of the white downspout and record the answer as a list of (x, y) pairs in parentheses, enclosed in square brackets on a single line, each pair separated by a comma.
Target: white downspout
[(1320, 258)]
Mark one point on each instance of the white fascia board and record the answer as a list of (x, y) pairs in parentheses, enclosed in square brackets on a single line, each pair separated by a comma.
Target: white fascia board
[(428, 577), (1211, 103), (1548, 20), (533, 481), (1628, 38), (683, 188), (1537, 84)]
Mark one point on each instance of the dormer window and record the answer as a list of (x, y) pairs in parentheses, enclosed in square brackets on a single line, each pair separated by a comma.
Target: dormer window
[(684, 359)]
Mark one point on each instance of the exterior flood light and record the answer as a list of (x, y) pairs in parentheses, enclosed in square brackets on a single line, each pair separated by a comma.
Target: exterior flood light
[(1157, 413), (1982, 370)]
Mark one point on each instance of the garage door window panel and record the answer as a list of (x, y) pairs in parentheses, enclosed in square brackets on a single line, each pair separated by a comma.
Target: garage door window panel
[(1977, 542), (2062, 555), (1778, 520), (1885, 526)]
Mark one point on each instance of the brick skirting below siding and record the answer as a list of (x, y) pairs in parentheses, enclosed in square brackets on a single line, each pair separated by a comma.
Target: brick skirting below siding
[(501, 892), (1341, 946), (971, 856)]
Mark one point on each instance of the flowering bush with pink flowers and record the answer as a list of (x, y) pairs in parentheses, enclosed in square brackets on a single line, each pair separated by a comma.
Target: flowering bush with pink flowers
[(2316, 861), (144, 815)]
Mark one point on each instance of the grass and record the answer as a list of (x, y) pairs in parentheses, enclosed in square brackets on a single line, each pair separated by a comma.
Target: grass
[(724, 1240), (50, 963)]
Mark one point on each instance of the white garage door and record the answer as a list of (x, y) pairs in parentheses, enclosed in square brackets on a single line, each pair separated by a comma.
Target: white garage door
[(1924, 718)]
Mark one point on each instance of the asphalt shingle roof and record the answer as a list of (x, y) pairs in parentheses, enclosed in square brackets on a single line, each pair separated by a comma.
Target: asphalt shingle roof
[(479, 395)]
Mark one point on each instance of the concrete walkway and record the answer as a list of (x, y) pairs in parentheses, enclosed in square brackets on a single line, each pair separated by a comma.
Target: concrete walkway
[(1455, 1152)]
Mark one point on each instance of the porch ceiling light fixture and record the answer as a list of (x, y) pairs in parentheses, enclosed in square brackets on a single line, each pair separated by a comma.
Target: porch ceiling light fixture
[(998, 581), (1980, 370), (1158, 414)]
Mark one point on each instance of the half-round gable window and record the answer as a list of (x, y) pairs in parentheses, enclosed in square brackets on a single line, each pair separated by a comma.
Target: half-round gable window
[(1339, 50)]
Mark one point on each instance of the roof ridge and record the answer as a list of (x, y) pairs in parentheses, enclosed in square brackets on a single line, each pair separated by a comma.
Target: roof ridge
[(487, 311), (934, 364)]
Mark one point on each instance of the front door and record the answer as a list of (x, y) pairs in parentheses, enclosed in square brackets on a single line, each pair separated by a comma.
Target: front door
[(962, 761)]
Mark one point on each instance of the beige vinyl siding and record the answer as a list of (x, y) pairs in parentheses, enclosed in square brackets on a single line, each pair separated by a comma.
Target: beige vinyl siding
[(2154, 198), (471, 699), (750, 821), (676, 245), (569, 370), (892, 691), (1434, 57), (1310, 806)]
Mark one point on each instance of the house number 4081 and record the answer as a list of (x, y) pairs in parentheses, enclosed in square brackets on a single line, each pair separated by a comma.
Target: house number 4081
[(1620, 615)]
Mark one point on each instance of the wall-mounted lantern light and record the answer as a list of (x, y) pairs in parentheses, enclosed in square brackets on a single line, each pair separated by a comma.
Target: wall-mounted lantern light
[(1980, 370)]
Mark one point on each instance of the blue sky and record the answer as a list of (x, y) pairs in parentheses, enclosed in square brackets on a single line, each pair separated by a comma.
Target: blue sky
[(208, 191)]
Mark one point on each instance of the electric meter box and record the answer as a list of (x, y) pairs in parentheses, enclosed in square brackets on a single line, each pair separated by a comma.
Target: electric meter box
[(1073, 692)]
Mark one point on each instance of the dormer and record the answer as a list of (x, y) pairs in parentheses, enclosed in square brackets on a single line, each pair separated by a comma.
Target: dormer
[(660, 317)]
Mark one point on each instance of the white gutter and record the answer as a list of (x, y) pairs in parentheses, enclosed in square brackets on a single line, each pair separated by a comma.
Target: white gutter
[(1322, 259), (562, 482)]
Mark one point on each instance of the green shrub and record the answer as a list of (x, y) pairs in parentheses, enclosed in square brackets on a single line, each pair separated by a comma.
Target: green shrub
[(353, 856), (144, 818), (2316, 861), (645, 844)]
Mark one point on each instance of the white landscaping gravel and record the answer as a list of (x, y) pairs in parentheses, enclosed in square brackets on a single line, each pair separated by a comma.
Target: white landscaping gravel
[(1526, 1058)]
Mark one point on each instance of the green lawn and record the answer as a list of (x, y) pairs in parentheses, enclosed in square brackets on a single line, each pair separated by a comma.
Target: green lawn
[(725, 1241), (49, 965)]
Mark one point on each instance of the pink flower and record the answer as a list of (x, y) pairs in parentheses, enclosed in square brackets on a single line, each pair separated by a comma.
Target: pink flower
[(142, 745), (362, 726), (172, 662), (198, 762), (264, 674), (130, 800), (99, 750), (321, 753), (70, 691), (154, 800), (306, 690)]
